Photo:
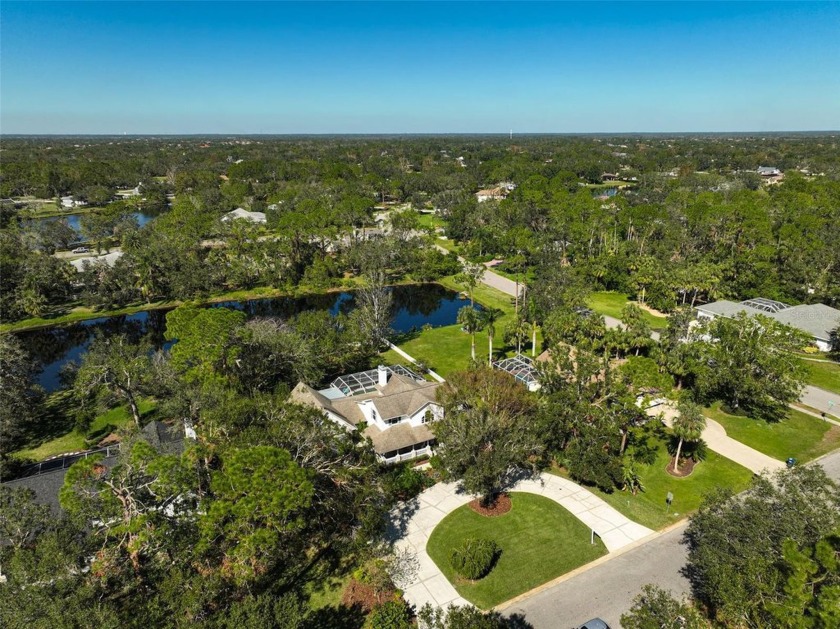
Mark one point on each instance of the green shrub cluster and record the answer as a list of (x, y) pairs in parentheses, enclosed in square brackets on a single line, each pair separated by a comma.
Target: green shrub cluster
[(475, 558)]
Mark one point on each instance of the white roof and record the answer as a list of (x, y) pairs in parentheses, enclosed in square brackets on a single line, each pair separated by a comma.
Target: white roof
[(254, 217), (109, 258)]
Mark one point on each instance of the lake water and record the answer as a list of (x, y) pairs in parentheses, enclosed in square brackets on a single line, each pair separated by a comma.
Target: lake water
[(604, 192), (75, 221), (53, 348)]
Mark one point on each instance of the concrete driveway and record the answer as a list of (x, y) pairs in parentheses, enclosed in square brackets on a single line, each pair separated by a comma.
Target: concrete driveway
[(412, 524)]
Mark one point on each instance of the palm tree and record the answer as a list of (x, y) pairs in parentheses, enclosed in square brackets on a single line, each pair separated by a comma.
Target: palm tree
[(489, 318), (470, 321), (688, 426), (533, 311)]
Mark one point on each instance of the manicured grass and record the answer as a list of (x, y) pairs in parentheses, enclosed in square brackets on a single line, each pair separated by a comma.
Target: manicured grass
[(539, 541), (611, 304), (610, 184), (823, 375), (800, 436), (648, 507), (447, 349), (430, 220), (75, 441), (450, 245)]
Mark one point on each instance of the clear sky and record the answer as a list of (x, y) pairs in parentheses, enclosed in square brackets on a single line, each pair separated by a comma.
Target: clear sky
[(215, 67)]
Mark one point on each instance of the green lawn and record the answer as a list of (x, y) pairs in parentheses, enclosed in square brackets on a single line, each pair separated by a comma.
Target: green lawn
[(800, 436), (430, 220), (447, 349), (539, 541), (450, 245), (76, 441), (648, 507), (823, 375), (611, 304)]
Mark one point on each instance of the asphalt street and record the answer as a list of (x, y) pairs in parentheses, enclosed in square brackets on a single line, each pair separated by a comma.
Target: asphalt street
[(608, 590)]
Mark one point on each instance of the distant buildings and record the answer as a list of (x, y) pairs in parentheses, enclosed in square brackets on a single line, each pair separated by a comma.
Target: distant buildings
[(816, 320), (394, 405), (254, 217), (497, 193), (768, 171), (70, 202)]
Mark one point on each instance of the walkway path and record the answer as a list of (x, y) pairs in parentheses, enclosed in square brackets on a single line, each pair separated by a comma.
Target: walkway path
[(413, 523), (413, 361), (717, 440)]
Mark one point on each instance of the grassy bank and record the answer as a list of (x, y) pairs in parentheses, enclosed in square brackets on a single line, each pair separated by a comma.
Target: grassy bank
[(447, 349), (75, 440), (83, 313), (539, 541)]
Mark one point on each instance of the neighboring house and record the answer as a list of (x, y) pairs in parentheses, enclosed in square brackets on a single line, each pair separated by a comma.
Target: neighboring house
[(491, 194), (395, 405), (769, 171), (133, 192), (609, 176), (816, 320), (109, 259), (254, 217), (46, 479), (70, 202)]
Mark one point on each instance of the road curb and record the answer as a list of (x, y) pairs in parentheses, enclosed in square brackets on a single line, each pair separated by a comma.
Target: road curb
[(592, 564)]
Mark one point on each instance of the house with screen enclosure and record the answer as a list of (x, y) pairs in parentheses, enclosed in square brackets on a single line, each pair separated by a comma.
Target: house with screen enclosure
[(816, 320), (522, 369), (391, 404)]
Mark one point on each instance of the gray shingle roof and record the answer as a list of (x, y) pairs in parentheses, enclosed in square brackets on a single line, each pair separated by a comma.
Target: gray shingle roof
[(818, 320), (401, 435)]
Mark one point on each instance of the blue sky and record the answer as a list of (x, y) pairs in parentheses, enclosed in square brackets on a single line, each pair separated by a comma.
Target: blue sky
[(215, 67)]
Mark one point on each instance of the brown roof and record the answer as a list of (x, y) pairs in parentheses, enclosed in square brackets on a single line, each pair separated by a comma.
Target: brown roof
[(398, 436), (403, 396)]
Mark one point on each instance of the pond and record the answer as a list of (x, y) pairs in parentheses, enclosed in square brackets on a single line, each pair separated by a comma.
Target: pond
[(53, 348), (75, 221)]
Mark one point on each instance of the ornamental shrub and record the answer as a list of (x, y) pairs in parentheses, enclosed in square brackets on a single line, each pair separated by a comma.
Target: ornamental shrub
[(390, 615), (475, 558)]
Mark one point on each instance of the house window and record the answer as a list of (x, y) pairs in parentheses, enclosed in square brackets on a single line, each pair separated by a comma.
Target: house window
[(373, 414)]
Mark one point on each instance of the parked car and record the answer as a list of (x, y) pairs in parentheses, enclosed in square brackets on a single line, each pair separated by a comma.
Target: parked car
[(80, 250), (595, 623)]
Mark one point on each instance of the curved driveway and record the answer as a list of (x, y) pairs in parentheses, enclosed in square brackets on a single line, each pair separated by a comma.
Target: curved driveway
[(412, 524)]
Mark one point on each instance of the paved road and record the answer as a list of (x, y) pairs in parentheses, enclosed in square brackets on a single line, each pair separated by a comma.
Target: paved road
[(608, 589), (819, 399)]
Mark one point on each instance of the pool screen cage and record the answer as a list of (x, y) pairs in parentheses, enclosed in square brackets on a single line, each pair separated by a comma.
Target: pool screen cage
[(520, 367), (366, 381)]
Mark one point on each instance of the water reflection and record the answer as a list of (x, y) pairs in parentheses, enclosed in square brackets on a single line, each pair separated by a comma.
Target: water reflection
[(54, 348)]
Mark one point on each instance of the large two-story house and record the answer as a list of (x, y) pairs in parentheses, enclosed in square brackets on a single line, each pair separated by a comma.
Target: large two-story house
[(394, 404)]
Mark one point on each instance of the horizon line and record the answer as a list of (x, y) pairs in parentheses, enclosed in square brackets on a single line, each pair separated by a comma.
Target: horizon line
[(413, 133)]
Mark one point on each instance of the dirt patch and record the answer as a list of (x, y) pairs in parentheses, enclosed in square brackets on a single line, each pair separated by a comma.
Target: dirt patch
[(364, 596), (686, 468), (500, 507), (653, 311)]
